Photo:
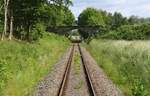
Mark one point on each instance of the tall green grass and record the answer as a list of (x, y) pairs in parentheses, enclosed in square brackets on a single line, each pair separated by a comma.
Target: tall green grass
[(127, 63), (22, 64)]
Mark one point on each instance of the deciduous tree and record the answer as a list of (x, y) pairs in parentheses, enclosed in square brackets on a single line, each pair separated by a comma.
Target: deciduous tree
[(90, 17)]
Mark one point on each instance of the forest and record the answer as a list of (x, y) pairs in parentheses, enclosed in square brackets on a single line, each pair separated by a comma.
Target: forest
[(25, 20)]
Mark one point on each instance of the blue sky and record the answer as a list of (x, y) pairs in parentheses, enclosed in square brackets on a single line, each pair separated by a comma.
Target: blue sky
[(139, 8)]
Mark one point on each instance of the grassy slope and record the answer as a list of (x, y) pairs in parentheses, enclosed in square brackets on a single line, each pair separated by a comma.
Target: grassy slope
[(22, 64), (127, 63)]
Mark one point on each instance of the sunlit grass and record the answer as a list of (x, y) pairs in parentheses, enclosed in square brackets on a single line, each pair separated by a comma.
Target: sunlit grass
[(127, 63), (22, 64)]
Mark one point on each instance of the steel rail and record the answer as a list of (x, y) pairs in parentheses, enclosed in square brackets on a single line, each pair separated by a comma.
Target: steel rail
[(87, 73), (67, 71), (65, 77)]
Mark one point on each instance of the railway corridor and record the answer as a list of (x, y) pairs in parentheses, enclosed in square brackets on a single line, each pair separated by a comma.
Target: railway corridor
[(76, 84), (77, 74)]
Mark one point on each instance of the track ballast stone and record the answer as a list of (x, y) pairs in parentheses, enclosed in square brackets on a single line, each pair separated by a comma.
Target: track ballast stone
[(50, 85), (77, 84), (102, 85)]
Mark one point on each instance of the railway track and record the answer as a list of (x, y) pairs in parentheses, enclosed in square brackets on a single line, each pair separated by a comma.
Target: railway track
[(65, 80), (77, 74)]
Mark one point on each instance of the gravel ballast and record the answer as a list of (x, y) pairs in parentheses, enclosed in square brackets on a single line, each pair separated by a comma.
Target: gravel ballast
[(77, 84), (102, 85), (50, 85)]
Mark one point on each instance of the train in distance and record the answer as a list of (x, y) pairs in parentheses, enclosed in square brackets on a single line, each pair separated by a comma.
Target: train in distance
[(75, 37)]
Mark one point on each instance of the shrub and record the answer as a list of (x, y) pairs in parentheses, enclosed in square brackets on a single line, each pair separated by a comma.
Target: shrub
[(129, 32), (37, 31), (110, 35)]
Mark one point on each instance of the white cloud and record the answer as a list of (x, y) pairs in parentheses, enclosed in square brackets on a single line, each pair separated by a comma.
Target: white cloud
[(126, 7), (115, 2)]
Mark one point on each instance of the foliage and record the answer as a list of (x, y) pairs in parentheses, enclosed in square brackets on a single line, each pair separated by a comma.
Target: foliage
[(57, 16), (1, 27), (36, 32), (117, 20), (90, 17), (107, 17), (130, 32), (137, 20), (119, 27), (114, 26), (28, 13), (69, 18), (25, 64), (125, 62)]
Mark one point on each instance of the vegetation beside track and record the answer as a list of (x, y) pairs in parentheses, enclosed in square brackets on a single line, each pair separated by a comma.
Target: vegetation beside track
[(25, 64), (77, 63), (127, 63)]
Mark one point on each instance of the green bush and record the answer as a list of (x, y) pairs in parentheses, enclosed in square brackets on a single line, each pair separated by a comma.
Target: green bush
[(110, 35), (129, 32), (37, 31)]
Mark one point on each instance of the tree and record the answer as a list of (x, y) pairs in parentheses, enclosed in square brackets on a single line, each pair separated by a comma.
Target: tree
[(21, 16), (6, 3), (11, 20), (2, 5), (118, 20), (107, 17), (137, 20), (133, 20), (69, 18), (1, 15), (90, 17), (61, 2), (41, 11)]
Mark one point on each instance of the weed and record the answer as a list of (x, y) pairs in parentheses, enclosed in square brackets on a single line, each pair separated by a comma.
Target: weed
[(77, 63), (22, 64), (123, 61)]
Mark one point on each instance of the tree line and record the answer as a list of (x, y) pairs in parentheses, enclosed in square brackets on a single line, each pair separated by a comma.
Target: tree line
[(27, 19), (114, 25)]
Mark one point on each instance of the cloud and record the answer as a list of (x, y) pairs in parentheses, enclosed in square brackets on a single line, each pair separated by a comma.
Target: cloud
[(140, 8)]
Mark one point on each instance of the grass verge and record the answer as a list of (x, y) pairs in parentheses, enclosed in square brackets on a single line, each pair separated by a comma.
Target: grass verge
[(127, 63), (22, 64)]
